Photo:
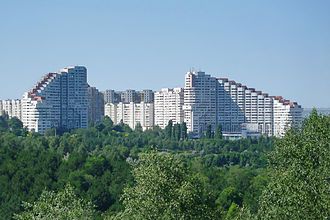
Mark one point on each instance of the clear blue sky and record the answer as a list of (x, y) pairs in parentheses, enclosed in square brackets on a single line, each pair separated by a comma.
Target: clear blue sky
[(281, 47)]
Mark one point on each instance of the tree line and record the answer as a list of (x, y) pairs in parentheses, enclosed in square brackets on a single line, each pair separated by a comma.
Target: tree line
[(113, 172)]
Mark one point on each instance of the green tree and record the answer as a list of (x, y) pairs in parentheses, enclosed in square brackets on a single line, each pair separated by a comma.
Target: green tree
[(227, 197), (233, 211), (3, 122), (138, 127), (218, 132), (169, 129), (209, 131), (300, 170), (177, 132), (107, 121), (256, 185), (62, 205), (184, 130), (164, 189), (15, 124), (244, 213), (50, 132)]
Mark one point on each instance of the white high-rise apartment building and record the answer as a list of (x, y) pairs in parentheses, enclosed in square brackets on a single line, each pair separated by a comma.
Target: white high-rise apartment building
[(212, 101), (128, 96), (238, 104), (131, 114), (112, 96), (109, 96), (200, 102), (110, 110), (146, 95), (168, 106), (286, 115), (13, 108), (58, 100)]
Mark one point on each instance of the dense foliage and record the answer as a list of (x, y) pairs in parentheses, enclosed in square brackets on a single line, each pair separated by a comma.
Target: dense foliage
[(61, 205), (96, 162), (299, 186), (162, 174), (165, 189)]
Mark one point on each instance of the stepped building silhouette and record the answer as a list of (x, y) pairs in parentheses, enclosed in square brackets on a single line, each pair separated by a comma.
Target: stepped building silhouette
[(211, 101), (58, 100)]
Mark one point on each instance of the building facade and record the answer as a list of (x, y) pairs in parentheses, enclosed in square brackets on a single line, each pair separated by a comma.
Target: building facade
[(64, 100), (287, 114), (109, 96), (95, 105), (200, 102), (131, 114), (219, 101), (129, 96), (169, 106), (58, 100), (13, 108), (146, 96), (238, 105)]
